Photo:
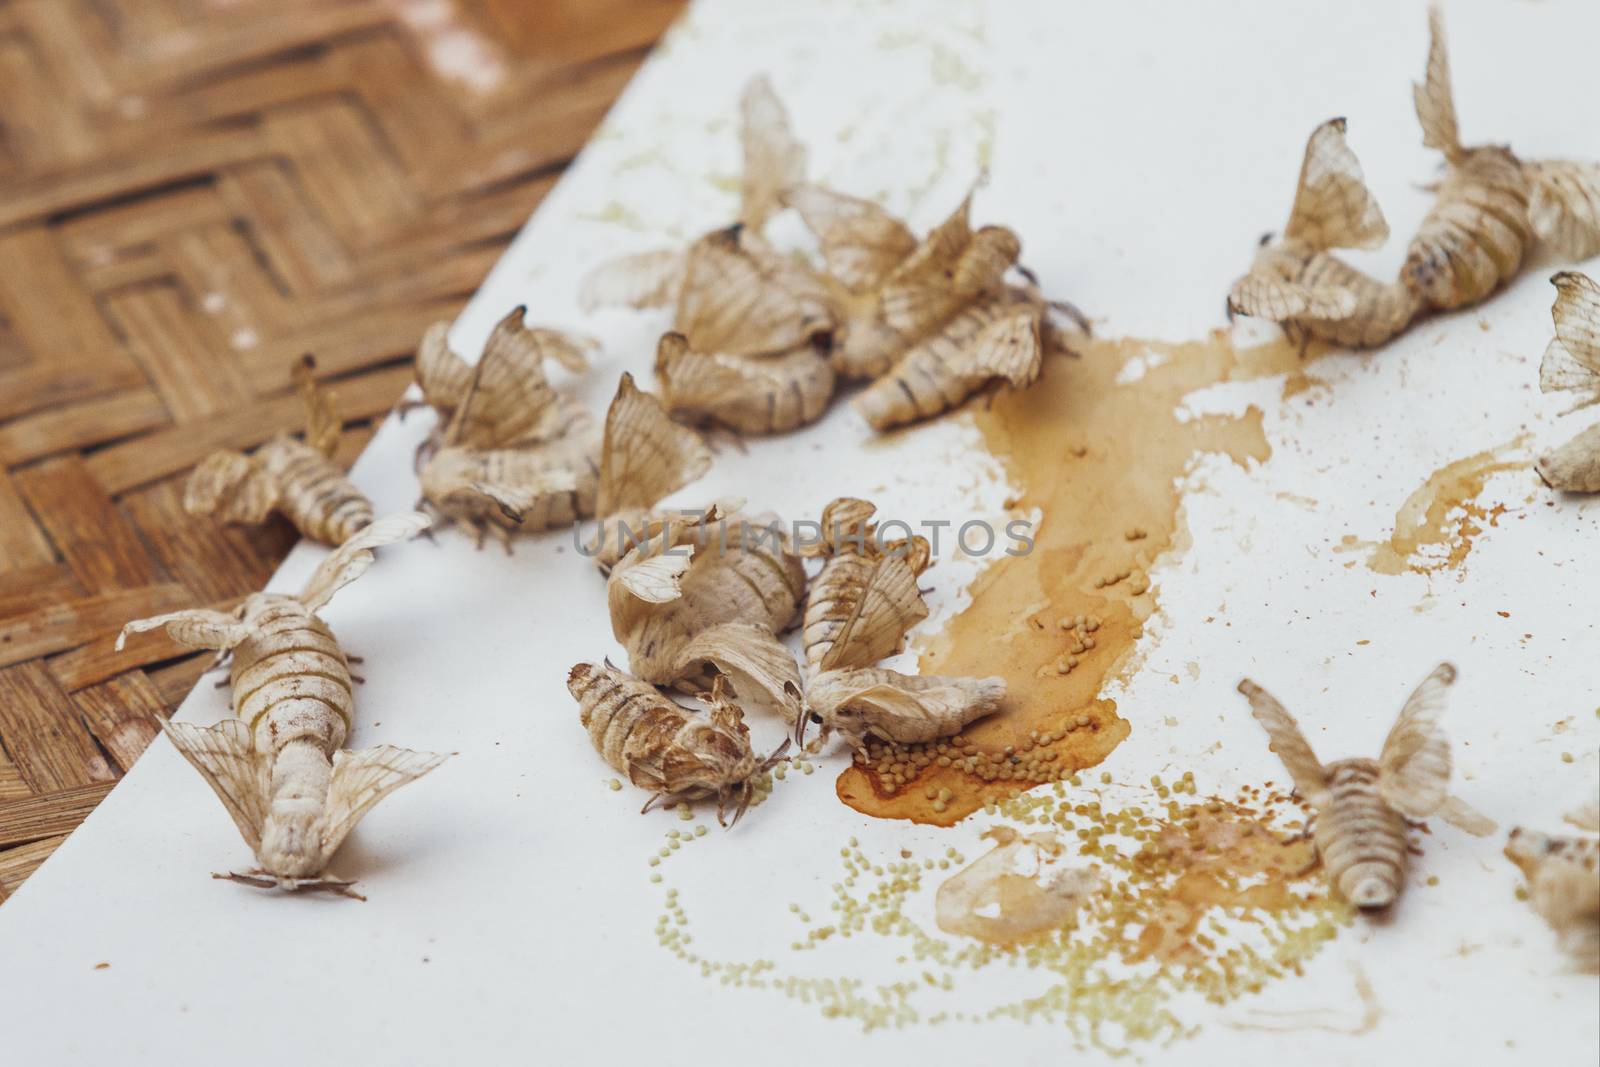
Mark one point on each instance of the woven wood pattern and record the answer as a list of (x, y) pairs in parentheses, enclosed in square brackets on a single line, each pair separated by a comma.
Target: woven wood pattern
[(192, 194)]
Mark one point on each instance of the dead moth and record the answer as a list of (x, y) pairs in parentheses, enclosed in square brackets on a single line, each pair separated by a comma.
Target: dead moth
[(664, 747), (904, 708), (1490, 206), (934, 319), (296, 478), (710, 595), (509, 452), (1572, 364), (279, 766), (513, 402), (1296, 282), (865, 599), (1362, 805), (1563, 875)]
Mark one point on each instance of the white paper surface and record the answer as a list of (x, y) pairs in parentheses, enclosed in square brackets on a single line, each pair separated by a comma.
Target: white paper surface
[(1139, 149)]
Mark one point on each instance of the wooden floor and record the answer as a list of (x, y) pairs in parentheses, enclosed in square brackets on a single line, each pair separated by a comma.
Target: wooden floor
[(192, 193)]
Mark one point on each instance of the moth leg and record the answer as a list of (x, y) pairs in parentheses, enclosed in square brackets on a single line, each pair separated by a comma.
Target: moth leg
[(352, 658), (259, 881)]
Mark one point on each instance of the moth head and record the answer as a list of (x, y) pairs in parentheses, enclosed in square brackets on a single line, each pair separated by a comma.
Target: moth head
[(291, 843)]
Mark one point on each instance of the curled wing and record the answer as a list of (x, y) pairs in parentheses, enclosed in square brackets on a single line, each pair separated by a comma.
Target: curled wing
[(1435, 104), (907, 708), (773, 159), (1414, 766), (322, 418), (226, 758), (193, 628), (350, 560), (888, 606), (1262, 296), (231, 487), (759, 666), (861, 243), (1564, 206), (1572, 360), (642, 280), (1288, 742)]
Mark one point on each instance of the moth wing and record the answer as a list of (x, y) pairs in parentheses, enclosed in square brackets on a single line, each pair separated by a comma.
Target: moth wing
[(644, 455), (1265, 297), (571, 350), (950, 265), (1576, 313), (443, 376), (1465, 817), (642, 280), (1288, 742), (322, 418), (1006, 348), (1564, 206), (739, 297), (226, 757), (1333, 208), (761, 668), (861, 243), (350, 560), (1414, 766), (1585, 818), (773, 159), (514, 502), (1575, 466), (193, 628), (1435, 104), (889, 606), (654, 579), (903, 707), (508, 400), (232, 487), (361, 779), (702, 382)]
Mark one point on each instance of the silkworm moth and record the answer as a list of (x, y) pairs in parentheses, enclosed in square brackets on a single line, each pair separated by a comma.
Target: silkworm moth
[(865, 599), (731, 294), (1490, 207), (664, 747), (279, 766), (513, 402), (904, 708), (1295, 282), (1563, 876), (1362, 805), (1572, 364), (295, 478), (745, 394), (712, 593)]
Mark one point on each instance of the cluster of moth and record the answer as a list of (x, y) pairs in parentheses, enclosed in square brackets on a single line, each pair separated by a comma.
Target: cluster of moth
[(1490, 210), (700, 602)]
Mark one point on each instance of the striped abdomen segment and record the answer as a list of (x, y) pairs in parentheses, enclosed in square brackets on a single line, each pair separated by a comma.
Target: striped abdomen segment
[(314, 493), (1361, 839), (1382, 309), (1475, 236), (290, 680)]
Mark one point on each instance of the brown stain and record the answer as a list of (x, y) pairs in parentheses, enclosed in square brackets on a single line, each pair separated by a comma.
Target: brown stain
[(1444, 514), (1100, 460)]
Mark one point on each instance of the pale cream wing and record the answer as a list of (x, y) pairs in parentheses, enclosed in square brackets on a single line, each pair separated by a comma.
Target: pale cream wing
[(741, 301), (509, 400), (322, 418), (1575, 466), (910, 709), (1288, 742), (861, 243), (888, 607), (773, 159), (1006, 348), (645, 455), (443, 376), (1564, 206), (1572, 362), (226, 758), (361, 779), (1436, 106), (193, 628), (1465, 817), (1262, 296), (1414, 766), (761, 668), (1333, 208), (350, 560), (654, 579), (1586, 817), (571, 350), (642, 280), (514, 502), (231, 487)]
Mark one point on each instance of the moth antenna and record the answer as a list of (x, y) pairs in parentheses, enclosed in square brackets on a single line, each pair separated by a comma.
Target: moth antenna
[(654, 797)]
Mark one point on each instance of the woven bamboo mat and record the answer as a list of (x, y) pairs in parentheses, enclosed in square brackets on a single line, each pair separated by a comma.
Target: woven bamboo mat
[(192, 193)]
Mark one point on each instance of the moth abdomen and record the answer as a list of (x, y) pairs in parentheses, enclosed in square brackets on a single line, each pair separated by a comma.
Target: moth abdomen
[(315, 495), (1361, 839)]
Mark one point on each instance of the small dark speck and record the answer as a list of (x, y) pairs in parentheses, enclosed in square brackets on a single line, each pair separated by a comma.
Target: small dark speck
[(426, 960)]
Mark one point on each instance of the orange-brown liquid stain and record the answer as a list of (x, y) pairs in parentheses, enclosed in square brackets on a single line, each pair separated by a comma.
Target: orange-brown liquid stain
[(1101, 460), (1436, 527)]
